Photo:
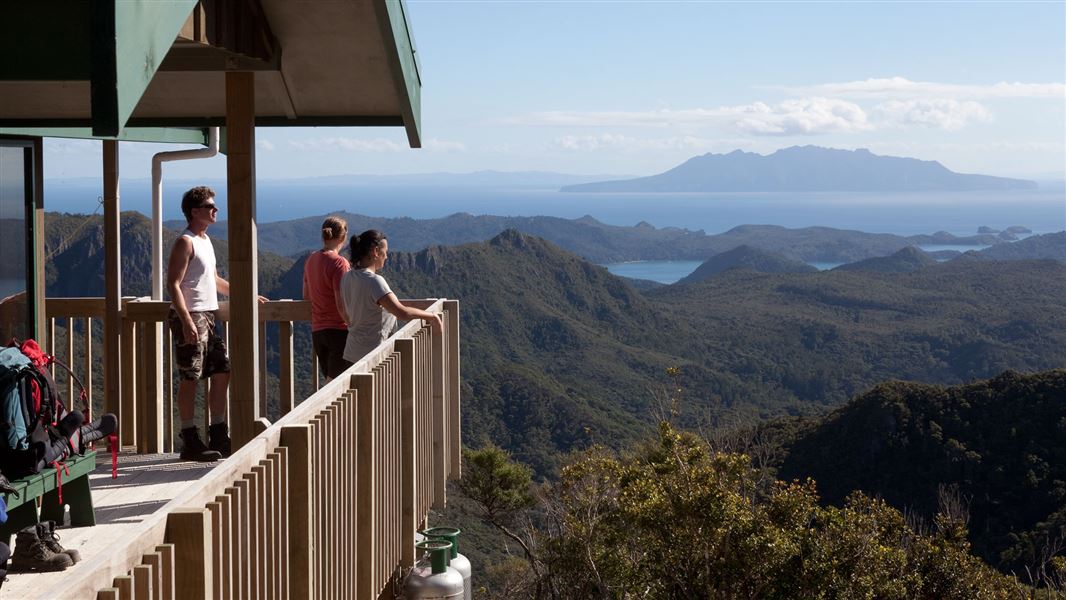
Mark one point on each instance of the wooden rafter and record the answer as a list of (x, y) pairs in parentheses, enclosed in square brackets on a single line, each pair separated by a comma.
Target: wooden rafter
[(225, 35)]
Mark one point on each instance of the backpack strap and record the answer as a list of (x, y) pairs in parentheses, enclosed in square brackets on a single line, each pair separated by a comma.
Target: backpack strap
[(60, 466), (82, 395), (112, 441)]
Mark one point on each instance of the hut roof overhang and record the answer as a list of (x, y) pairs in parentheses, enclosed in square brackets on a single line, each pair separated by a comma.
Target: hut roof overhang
[(144, 69)]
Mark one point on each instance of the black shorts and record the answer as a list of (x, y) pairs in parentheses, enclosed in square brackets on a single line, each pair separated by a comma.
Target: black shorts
[(329, 348)]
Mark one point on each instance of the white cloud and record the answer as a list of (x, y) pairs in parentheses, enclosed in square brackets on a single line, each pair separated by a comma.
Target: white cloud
[(900, 87), (950, 115), (435, 145), (656, 118), (805, 116), (265, 145), (627, 143), (371, 145), (348, 144)]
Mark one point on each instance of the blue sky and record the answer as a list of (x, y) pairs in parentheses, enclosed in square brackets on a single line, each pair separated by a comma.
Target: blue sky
[(637, 87)]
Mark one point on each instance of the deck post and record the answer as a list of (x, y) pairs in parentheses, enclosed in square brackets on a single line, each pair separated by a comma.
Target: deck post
[(189, 529), (112, 282), (243, 252)]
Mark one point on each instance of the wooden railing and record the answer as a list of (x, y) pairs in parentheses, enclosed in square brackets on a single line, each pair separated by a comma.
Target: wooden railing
[(145, 405), (323, 503)]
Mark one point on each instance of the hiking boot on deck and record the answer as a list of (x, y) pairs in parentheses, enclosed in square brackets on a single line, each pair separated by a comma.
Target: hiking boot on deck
[(218, 439), (31, 554), (193, 447), (46, 532)]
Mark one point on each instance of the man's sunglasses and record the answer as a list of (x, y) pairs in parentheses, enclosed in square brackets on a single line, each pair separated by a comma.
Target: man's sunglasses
[(208, 206)]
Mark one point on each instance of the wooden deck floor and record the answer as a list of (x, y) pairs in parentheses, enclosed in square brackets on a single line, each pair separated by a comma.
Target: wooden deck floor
[(145, 483)]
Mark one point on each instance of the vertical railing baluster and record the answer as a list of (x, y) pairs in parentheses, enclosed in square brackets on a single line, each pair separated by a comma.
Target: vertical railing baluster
[(286, 377), (280, 460), (365, 497), (218, 570), (142, 582), (302, 514), (70, 360), (168, 422), (87, 365), (225, 333), (125, 586), (166, 551), (189, 530), (440, 447), (238, 539), (262, 370), (255, 544), (454, 400), (318, 427), (52, 342), (154, 560), (128, 408)]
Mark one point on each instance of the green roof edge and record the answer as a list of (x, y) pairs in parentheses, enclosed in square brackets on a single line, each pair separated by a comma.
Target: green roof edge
[(392, 15)]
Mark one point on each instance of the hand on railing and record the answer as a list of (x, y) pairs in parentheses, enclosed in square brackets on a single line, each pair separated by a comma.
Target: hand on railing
[(435, 322)]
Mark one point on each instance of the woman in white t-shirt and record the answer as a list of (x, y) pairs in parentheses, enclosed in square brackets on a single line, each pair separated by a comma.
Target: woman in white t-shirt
[(370, 307)]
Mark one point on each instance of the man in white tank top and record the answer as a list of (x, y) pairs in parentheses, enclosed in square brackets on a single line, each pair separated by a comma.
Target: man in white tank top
[(194, 284)]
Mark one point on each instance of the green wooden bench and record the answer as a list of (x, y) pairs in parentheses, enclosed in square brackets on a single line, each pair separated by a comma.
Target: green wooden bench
[(22, 511)]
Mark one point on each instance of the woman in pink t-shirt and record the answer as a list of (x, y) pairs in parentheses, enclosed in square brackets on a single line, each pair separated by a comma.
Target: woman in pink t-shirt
[(322, 277)]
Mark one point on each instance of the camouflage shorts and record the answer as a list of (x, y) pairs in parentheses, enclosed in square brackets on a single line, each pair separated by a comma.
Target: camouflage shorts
[(204, 356)]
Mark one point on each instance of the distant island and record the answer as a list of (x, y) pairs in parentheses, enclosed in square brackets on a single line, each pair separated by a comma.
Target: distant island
[(806, 169)]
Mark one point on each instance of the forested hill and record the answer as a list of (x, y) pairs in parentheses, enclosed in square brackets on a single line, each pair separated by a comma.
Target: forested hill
[(1002, 442), (904, 261), (1049, 245), (74, 247), (557, 352), (746, 257), (602, 243)]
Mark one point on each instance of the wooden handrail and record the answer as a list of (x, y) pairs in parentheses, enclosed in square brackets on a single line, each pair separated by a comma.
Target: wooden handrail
[(385, 407)]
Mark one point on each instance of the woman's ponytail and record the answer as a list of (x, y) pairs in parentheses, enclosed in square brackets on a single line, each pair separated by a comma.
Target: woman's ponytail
[(363, 244)]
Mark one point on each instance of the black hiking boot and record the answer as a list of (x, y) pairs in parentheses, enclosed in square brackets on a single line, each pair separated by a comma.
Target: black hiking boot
[(46, 532), (70, 424), (31, 554), (193, 447), (5, 553), (218, 439), (98, 430)]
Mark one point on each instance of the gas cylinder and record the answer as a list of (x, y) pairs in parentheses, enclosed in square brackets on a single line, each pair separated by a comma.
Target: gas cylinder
[(458, 561), (434, 580)]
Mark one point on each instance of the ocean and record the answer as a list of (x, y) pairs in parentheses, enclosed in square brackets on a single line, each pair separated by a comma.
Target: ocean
[(961, 213), (671, 271)]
